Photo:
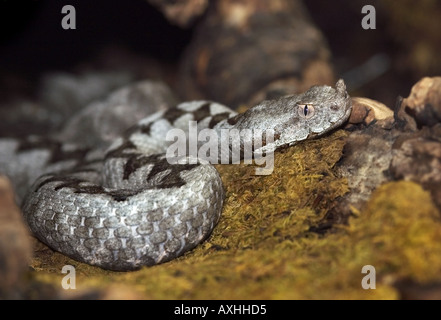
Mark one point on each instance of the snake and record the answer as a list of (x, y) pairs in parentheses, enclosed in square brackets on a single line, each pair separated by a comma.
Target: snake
[(129, 207)]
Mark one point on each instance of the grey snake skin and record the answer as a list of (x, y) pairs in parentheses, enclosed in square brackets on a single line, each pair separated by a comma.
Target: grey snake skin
[(128, 207)]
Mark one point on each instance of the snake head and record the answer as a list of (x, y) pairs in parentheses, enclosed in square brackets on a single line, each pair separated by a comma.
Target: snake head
[(321, 109), (298, 117)]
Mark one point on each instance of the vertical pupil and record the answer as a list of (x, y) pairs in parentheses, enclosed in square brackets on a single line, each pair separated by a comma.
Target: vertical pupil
[(305, 110)]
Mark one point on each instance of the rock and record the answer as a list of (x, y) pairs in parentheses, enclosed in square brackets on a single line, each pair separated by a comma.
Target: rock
[(366, 111), (417, 152), (15, 248), (418, 158), (423, 106), (365, 163), (385, 146), (181, 12), (411, 290), (103, 121), (247, 51), (64, 93), (366, 156)]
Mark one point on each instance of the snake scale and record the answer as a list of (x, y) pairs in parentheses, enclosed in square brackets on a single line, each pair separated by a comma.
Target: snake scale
[(128, 207)]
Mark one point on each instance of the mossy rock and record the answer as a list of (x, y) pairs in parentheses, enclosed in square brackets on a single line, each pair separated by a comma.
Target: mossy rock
[(263, 246)]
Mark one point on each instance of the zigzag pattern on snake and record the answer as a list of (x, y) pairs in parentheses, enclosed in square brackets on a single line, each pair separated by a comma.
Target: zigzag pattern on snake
[(129, 207)]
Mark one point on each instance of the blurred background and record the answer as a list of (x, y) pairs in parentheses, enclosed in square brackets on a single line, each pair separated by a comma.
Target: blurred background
[(379, 64)]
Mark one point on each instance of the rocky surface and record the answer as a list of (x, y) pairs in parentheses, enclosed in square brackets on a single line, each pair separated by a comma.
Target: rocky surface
[(15, 245), (417, 152)]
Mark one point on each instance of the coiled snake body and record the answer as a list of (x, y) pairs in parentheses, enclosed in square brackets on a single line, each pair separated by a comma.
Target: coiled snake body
[(132, 208)]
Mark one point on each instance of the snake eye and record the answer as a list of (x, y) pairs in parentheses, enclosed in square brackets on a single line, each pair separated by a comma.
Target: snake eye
[(306, 110)]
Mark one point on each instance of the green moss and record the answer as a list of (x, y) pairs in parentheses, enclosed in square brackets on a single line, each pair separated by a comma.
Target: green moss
[(400, 231), (262, 247)]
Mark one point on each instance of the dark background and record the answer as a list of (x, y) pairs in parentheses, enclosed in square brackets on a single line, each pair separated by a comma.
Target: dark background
[(33, 42)]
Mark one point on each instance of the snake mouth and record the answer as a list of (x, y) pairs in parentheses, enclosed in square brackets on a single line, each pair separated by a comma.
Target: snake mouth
[(333, 125), (342, 120), (348, 111)]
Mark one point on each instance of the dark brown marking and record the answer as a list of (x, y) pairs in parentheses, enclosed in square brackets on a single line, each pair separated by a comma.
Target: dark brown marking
[(276, 137), (173, 177), (202, 112), (75, 184), (120, 151), (130, 131), (55, 149), (172, 114), (218, 118), (134, 162), (234, 120), (160, 164), (146, 128)]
